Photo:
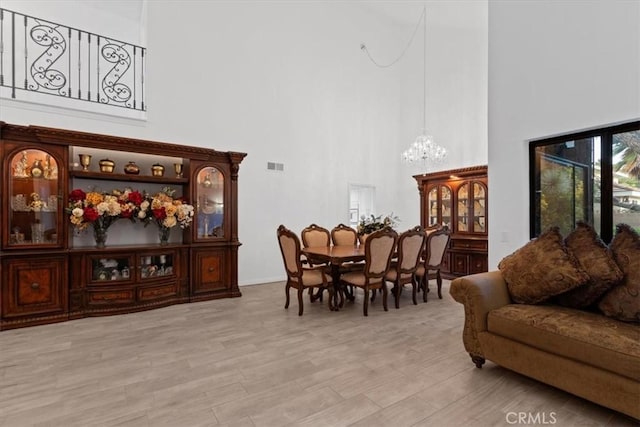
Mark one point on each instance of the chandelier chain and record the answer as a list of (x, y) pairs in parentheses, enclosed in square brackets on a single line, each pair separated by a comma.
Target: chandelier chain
[(363, 46)]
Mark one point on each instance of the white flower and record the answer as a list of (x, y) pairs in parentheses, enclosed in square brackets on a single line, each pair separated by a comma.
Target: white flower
[(77, 212)]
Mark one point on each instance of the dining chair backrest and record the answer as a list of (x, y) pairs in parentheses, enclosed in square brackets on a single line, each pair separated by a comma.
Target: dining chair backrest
[(431, 229), (290, 249), (378, 250), (344, 235), (410, 244), (436, 246), (314, 235)]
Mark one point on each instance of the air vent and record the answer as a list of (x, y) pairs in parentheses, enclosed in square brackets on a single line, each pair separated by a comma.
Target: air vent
[(275, 166)]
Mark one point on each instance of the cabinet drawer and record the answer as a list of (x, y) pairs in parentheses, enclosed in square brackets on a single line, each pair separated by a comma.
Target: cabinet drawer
[(475, 245), (149, 293), (119, 296), (34, 286)]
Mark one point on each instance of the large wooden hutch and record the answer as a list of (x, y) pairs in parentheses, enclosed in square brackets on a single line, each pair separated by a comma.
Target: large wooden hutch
[(458, 199), (50, 272)]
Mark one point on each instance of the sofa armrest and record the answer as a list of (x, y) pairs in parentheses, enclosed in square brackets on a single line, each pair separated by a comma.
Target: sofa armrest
[(479, 293)]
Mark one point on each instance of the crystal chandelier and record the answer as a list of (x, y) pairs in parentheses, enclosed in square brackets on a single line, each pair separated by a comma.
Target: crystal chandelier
[(424, 149)]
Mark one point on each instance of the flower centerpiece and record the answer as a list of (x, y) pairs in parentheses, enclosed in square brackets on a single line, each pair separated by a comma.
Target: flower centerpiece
[(166, 212), (100, 210), (368, 225)]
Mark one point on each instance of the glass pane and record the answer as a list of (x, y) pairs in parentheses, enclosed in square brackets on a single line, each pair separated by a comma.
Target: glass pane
[(479, 207), (626, 179), (156, 265), (433, 206), (463, 207), (33, 189), (210, 203), (446, 205), (565, 184), (108, 269)]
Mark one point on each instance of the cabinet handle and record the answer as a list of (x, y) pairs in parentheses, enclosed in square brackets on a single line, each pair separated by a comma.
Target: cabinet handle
[(35, 285), (211, 269)]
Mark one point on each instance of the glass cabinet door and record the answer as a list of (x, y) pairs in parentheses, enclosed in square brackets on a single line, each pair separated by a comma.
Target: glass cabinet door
[(432, 203), (156, 265), (463, 207), (479, 207), (209, 203), (445, 193), (111, 268), (34, 189), (439, 205)]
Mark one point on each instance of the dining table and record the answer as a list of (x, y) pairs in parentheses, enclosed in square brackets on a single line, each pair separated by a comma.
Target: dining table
[(335, 256)]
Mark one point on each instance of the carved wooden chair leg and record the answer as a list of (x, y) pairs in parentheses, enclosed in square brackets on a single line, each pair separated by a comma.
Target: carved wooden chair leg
[(397, 291), (286, 292), (414, 291), (425, 287), (365, 303), (439, 282), (301, 307), (384, 296)]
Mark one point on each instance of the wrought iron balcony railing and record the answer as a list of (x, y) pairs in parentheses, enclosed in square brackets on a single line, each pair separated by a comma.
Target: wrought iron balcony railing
[(49, 58)]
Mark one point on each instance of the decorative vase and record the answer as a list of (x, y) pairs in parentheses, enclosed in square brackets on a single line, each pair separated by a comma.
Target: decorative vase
[(363, 238), (164, 232), (131, 168), (157, 170), (100, 236), (107, 165)]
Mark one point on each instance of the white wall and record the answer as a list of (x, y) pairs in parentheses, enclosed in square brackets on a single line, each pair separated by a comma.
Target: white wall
[(287, 82), (554, 67)]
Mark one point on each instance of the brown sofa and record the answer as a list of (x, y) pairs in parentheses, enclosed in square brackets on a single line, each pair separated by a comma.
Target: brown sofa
[(584, 353)]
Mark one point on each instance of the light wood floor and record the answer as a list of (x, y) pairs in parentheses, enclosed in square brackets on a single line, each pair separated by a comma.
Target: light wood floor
[(249, 362)]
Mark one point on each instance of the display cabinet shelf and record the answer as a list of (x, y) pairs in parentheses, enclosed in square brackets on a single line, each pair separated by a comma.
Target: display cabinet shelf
[(49, 274), (167, 180)]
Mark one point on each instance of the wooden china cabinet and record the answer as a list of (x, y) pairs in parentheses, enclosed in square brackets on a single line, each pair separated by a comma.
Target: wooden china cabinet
[(458, 199), (50, 272)]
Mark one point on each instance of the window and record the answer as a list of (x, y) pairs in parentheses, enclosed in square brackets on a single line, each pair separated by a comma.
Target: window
[(593, 176)]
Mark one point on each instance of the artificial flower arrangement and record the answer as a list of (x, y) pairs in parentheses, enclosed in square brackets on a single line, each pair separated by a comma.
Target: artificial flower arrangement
[(103, 209), (97, 209), (368, 225)]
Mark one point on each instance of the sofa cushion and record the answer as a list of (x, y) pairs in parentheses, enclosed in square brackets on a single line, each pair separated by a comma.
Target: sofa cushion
[(588, 337), (541, 269), (596, 260), (623, 301)]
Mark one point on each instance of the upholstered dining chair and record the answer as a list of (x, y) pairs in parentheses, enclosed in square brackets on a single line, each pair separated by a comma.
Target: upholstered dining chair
[(402, 271), (299, 277), (378, 250), (314, 235), (344, 235), (436, 246)]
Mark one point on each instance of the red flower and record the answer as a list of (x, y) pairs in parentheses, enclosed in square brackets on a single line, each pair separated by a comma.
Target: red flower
[(90, 214), (159, 214), (77, 195), (126, 213), (136, 198)]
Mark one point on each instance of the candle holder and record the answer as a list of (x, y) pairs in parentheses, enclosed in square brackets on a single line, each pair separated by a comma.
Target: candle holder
[(85, 161)]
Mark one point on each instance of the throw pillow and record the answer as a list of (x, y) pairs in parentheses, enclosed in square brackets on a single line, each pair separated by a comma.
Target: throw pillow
[(541, 269), (623, 301), (596, 260)]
